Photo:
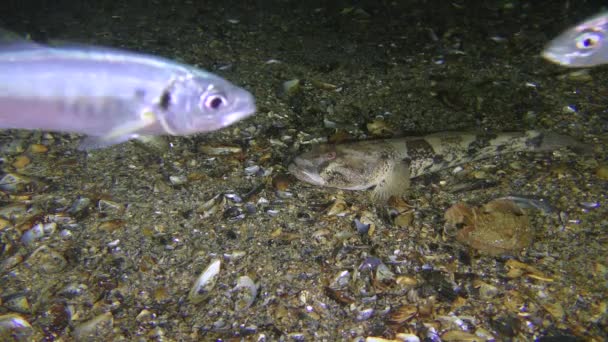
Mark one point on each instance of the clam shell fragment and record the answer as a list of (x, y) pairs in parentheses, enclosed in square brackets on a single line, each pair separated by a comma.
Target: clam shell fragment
[(205, 282)]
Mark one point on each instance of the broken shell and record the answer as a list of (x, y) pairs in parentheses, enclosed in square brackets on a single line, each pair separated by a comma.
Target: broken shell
[(498, 227), (17, 302), (486, 291), (14, 328), (253, 170), (338, 208), (402, 314), (37, 232), (205, 282), (404, 220), (46, 260), (459, 336), (246, 291), (362, 228), (38, 148), (220, 150), (323, 85), (14, 182), (364, 314), (4, 223), (178, 179), (341, 280), (403, 337), (281, 182), (21, 161), (212, 206), (379, 127), (111, 225), (291, 87), (97, 328), (602, 172), (384, 277), (80, 205)]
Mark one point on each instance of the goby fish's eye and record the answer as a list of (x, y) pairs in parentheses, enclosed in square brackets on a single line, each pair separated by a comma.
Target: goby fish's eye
[(588, 40), (213, 102)]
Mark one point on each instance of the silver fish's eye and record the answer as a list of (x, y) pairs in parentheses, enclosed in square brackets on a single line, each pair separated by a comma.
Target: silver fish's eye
[(213, 102), (588, 40)]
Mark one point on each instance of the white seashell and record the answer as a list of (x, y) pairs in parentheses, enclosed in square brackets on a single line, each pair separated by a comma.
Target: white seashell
[(205, 282)]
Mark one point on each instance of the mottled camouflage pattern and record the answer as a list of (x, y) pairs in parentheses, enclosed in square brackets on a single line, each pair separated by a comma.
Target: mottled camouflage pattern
[(389, 164)]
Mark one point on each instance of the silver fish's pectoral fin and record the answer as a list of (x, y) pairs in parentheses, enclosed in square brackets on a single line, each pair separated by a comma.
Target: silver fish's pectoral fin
[(119, 134), (395, 182)]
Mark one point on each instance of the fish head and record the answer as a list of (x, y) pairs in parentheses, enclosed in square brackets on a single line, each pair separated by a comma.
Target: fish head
[(202, 103), (345, 166), (584, 45)]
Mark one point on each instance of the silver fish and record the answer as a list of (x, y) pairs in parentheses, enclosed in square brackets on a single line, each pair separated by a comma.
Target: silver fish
[(583, 45), (388, 165), (111, 95)]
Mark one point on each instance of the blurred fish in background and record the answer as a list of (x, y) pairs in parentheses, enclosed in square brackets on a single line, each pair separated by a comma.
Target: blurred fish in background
[(110, 95)]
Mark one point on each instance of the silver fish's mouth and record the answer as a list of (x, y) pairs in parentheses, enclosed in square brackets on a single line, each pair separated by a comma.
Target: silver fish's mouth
[(557, 57), (303, 170), (242, 108)]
